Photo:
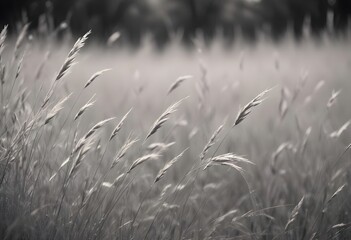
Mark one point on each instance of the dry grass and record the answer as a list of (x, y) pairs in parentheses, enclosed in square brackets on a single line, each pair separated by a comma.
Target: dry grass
[(69, 175)]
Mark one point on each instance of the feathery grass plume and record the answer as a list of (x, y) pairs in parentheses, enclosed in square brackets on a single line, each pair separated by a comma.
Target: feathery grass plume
[(143, 159), (340, 225), (76, 164), (163, 118), (177, 83), (159, 147), (21, 38), (294, 213), (19, 67), (107, 184), (118, 179), (333, 98), (95, 75), (162, 172), (168, 206), (193, 132), (119, 125), (84, 139), (164, 191), (284, 104), (81, 155), (305, 139), (319, 85), (228, 159), (211, 142), (85, 107), (337, 133), (122, 152), (280, 149), (218, 221), (337, 192), (55, 110), (2, 73), (113, 38), (47, 97), (249, 213), (114, 183), (243, 112), (61, 166), (72, 56), (3, 36), (98, 126)]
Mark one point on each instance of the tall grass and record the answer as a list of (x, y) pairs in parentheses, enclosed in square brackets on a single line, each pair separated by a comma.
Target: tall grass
[(72, 168)]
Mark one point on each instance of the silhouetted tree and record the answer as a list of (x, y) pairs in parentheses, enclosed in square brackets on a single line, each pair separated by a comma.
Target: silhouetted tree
[(159, 18), (342, 14)]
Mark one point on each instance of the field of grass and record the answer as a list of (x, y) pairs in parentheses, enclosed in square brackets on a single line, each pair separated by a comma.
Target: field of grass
[(180, 144)]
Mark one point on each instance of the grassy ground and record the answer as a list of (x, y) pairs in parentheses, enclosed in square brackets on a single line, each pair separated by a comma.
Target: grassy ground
[(56, 180)]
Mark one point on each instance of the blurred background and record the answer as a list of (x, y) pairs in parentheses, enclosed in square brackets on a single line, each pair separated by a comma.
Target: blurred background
[(162, 20)]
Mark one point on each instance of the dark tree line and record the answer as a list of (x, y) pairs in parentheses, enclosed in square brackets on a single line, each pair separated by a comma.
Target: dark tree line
[(161, 18)]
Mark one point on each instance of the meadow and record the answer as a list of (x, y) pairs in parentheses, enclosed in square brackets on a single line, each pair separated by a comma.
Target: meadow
[(246, 142)]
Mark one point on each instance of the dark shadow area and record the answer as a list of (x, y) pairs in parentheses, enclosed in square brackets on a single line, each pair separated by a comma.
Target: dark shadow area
[(162, 19)]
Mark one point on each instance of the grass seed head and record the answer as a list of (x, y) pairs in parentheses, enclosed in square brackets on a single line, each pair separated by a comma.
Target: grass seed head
[(177, 83), (294, 213), (246, 110), (162, 119), (95, 76), (143, 159), (70, 60), (119, 125), (85, 107), (162, 172), (211, 142), (55, 110)]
